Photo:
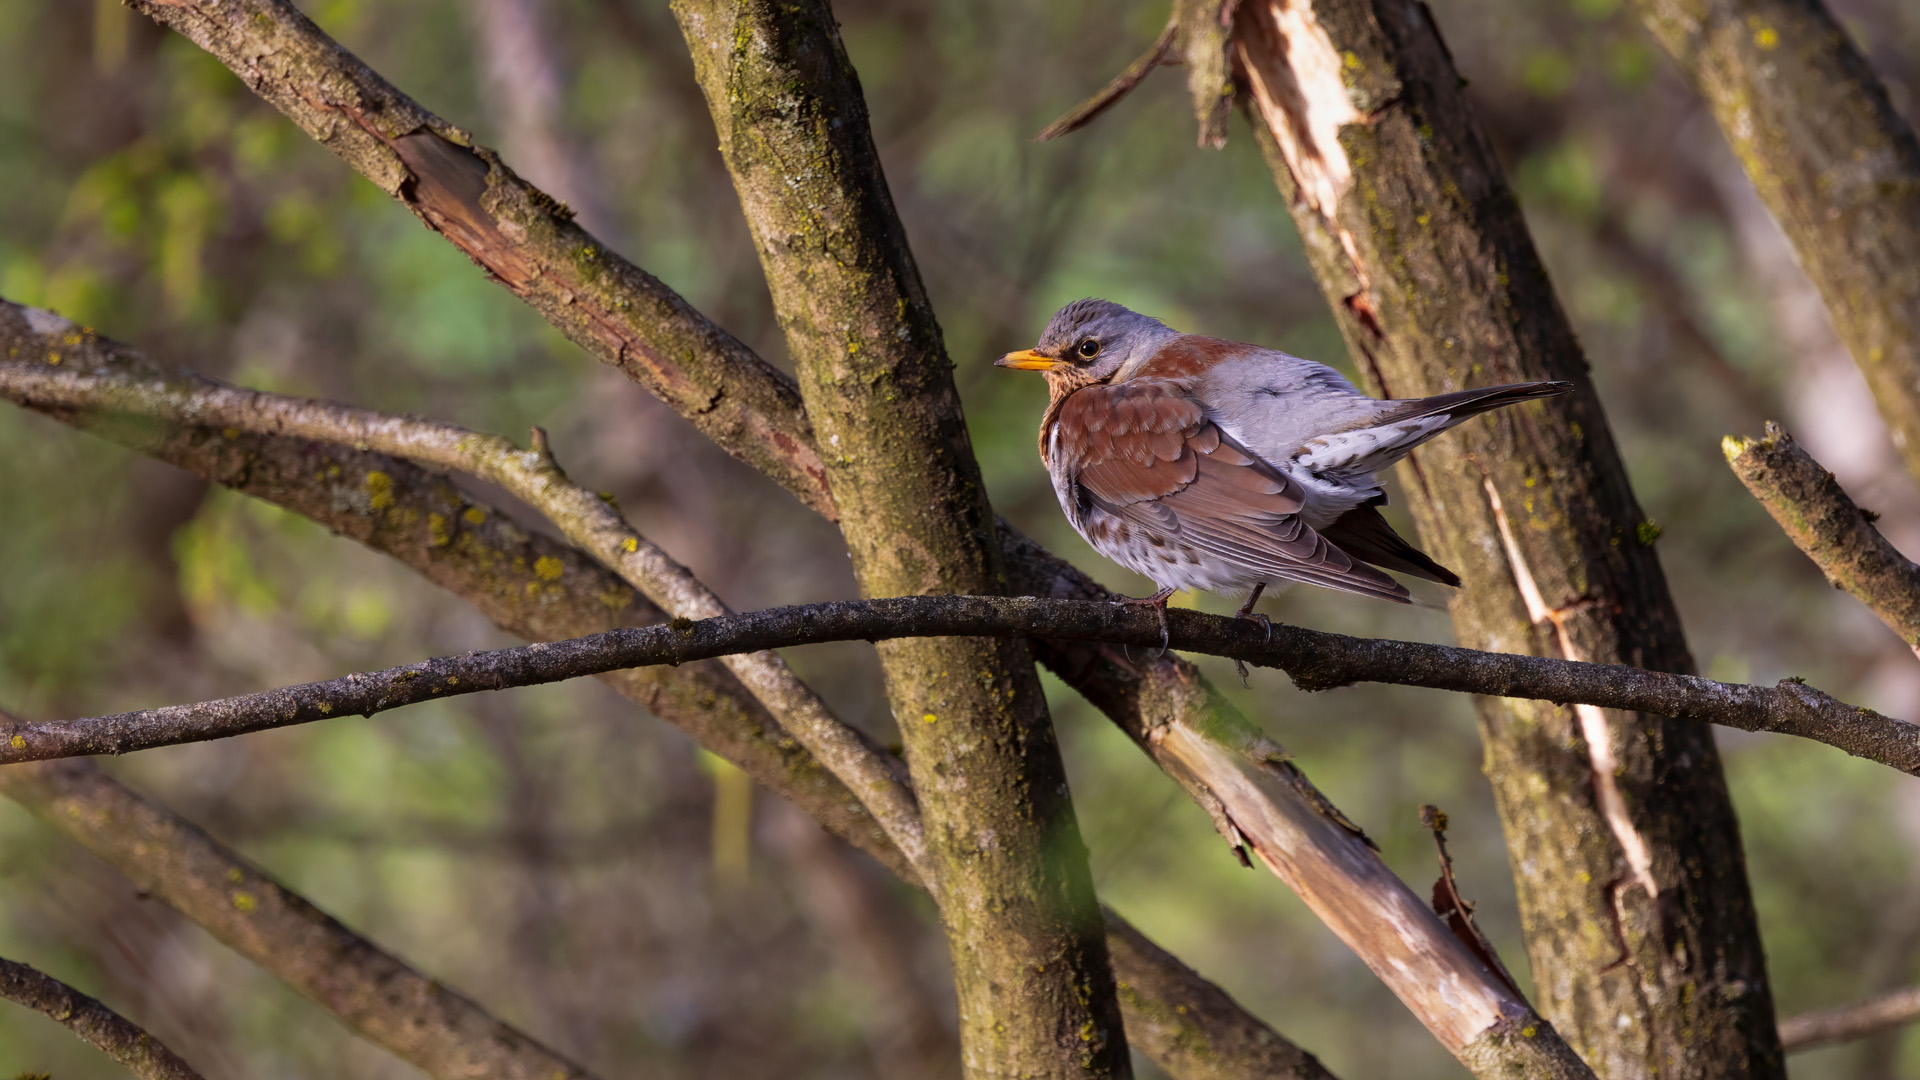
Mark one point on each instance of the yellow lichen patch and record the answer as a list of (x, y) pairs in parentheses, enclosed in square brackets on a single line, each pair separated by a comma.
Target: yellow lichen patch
[(53, 358), (438, 533), (928, 719), (230, 434), (326, 708), (474, 516), (379, 490), (236, 875), (1767, 38), (630, 545), (18, 742), (548, 568), (244, 901)]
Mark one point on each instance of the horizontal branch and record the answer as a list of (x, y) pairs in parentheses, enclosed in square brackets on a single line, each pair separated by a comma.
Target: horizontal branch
[(1847, 1022), (1313, 659), (119, 1038), (1823, 522)]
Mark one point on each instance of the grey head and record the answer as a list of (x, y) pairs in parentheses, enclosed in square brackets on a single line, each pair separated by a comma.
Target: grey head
[(1089, 340)]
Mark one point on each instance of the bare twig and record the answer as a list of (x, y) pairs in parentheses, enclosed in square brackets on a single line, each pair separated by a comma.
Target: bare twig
[(1456, 909), (1847, 1022), (1825, 524), (1315, 660), (116, 1036), (1109, 95)]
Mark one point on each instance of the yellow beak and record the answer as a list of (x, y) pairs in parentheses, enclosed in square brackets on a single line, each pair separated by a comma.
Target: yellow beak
[(1027, 360)]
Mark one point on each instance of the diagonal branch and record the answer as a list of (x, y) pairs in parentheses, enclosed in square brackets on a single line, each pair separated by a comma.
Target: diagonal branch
[(586, 519), (539, 589), (116, 1036), (381, 997), (1825, 524), (1835, 163), (1843, 1023), (1315, 660), (521, 236)]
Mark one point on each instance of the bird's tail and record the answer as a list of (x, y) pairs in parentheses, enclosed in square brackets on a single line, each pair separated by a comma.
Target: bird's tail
[(1362, 533), (1461, 404)]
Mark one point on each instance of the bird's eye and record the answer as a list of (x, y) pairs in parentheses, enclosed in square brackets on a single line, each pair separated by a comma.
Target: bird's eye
[(1089, 348)]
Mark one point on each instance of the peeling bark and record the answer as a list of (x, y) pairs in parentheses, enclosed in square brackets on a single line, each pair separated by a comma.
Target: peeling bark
[(1834, 163), (1631, 880)]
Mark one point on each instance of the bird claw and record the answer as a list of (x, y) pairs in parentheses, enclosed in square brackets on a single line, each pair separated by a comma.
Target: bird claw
[(1241, 667), (1158, 602)]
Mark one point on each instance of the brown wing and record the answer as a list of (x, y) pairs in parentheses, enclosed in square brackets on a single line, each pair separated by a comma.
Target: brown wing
[(1144, 451)]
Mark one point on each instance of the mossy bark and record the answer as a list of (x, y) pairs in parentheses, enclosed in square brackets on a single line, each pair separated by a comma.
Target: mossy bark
[(1832, 160), (1627, 857), (540, 589), (1035, 985)]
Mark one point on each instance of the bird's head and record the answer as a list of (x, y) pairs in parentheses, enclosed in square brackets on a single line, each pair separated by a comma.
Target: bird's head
[(1089, 341)]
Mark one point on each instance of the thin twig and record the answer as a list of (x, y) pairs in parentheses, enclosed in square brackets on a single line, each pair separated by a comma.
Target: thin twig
[(1109, 95), (1847, 1022), (1315, 661), (1823, 522), (116, 1036)]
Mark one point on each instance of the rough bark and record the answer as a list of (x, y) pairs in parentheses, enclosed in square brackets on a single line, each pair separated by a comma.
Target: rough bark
[(1030, 965), (1825, 524), (1835, 164), (529, 585), (1631, 880), (378, 995), (119, 1038)]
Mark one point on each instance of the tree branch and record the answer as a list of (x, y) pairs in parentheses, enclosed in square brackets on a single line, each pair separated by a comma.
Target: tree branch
[(1847, 1022), (1826, 525), (533, 476), (115, 1035), (1834, 163), (539, 589), (1314, 660), (521, 236), (376, 994)]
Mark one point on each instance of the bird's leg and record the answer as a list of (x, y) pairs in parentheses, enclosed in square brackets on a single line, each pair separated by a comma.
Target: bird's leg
[(1246, 612), (1158, 601)]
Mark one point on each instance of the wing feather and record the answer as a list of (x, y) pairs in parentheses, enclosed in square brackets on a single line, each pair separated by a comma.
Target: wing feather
[(1145, 452)]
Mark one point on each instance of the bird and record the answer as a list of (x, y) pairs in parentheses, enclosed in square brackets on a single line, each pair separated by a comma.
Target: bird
[(1203, 463)]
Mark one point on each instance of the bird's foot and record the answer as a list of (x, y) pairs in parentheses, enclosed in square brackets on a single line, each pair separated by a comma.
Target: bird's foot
[(1158, 602), (1246, 612)]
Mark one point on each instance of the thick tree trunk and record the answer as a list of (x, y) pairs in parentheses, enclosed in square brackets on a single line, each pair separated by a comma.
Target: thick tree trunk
[(1838, 168), (1627, 856), (1035, 985)]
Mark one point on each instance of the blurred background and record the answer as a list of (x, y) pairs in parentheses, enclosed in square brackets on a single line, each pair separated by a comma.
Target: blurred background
[(586, 872)]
